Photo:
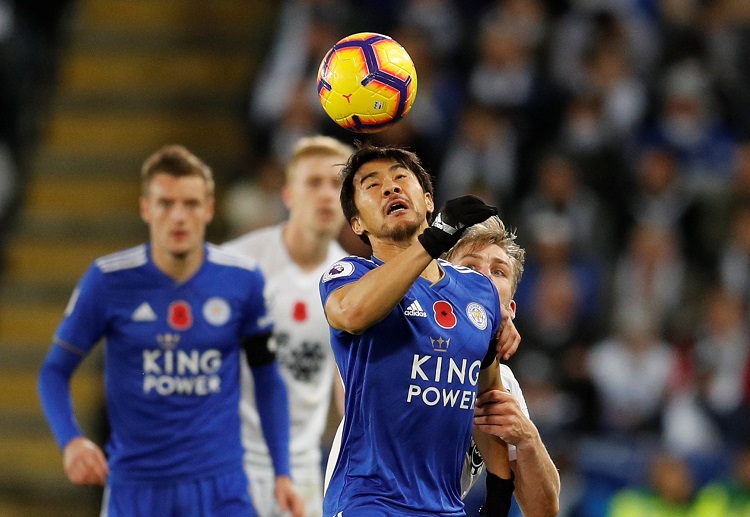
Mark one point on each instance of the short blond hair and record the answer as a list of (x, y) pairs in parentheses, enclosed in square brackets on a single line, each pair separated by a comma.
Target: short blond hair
[(175, 160), (317, 145), (493, 231)]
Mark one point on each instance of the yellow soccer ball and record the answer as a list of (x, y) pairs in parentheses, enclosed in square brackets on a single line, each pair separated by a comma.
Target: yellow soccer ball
[(367, 82)]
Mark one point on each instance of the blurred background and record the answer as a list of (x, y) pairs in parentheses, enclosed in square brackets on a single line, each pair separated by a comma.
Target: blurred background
[(613, 134)]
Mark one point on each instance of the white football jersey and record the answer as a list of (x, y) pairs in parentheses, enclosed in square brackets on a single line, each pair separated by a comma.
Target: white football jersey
[(303, 347), (473, 463)]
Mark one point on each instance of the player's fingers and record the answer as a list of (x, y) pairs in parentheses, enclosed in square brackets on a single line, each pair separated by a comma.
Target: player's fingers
[(492, 396), (100, 470), (298, 508)]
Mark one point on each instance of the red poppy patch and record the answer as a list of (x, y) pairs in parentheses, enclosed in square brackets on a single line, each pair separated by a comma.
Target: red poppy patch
[(179, 315), (444, 314), (300, 311)]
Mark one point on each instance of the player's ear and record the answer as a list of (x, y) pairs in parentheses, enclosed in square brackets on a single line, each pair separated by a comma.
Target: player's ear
[(286, 196), (145, 213), (512, 309), (356, 225), (429, 202), (210, 208)]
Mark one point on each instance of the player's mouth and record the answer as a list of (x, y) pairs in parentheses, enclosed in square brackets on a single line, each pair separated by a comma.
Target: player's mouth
[(395, 206)]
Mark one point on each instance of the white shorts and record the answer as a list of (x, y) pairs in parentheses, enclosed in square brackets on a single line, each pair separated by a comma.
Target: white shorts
[(308, 481)]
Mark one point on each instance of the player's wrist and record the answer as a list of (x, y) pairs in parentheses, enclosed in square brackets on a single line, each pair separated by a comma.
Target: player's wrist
[(434, 243)]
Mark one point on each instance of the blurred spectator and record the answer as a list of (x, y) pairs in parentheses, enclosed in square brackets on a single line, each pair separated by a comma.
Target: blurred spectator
[(659, 196), (440, 25), (688, 123), (590, 23), (650, 275), (506, 76), (560, 192), (481, 159), (730, 496), (726, 29), (609, 74), (669, 491), (722, 357), (306, 31), (559, 301), (587, 138), (430, 123), (254, 202), (734, 259), (630, 369)]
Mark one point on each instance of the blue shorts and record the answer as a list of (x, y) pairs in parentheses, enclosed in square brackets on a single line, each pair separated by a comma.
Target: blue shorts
[(220, 496)]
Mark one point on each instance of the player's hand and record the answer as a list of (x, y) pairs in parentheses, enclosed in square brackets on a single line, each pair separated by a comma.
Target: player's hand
[(498, 413), (84, 462), (508, 338), (287, 497), (452, 220)]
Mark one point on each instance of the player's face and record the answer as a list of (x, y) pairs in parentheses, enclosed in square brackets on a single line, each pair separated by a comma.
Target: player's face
[(493, 262), (312, 194), (177, 210), (390, 201)]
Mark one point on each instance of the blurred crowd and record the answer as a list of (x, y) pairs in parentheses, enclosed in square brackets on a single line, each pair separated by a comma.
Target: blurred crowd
[(614, 135), (30, 31)]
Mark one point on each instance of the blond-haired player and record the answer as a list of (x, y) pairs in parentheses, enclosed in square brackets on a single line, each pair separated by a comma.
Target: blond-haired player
[(488, 247), (293, 256)]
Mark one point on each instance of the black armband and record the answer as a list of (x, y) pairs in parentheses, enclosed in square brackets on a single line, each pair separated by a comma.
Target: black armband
[(491, 353), (258, 350), (499, 496)]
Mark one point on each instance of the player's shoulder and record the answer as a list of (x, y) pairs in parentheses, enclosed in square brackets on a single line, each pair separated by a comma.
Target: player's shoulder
[(346, 266), (123, 260), (254, 241), (455, 269), (464, 273), (228, 258)]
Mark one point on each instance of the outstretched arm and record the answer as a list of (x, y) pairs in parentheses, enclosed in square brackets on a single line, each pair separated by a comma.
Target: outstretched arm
[(84, 462), (537, 482), (273, 408)]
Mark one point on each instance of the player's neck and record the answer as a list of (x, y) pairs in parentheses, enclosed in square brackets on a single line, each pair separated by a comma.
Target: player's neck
[(306, 249), (179, 267)]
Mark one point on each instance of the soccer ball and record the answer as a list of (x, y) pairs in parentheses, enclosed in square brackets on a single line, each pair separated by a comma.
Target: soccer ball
[(367, 82)]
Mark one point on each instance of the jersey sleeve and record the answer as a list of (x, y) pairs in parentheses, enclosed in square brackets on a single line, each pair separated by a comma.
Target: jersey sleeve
[(84, 321), (511, 384), (341, 273), (83, 325), (256, 315)]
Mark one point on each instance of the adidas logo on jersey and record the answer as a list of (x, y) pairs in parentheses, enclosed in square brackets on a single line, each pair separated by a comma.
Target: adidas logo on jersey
[(415, 310), (144, 312)]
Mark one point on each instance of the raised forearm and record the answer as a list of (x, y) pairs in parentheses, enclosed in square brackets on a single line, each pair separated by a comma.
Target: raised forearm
[(537, 481), (359, 305)]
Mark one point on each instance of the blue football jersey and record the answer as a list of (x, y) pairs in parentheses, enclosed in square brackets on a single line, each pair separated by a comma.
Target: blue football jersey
[(411, 384), (171, 359)]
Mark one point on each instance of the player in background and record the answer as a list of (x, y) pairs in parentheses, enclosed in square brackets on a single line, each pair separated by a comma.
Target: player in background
[(410, 335), (175, 313), (489, 248), (293, 256)]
